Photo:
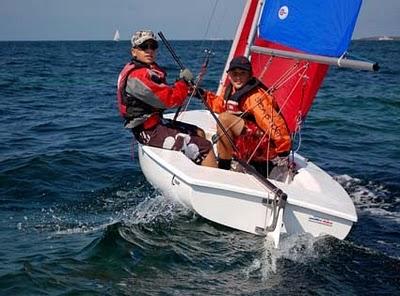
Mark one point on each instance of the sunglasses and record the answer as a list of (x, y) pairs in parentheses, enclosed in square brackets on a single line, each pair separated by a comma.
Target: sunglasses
[(145, 46)]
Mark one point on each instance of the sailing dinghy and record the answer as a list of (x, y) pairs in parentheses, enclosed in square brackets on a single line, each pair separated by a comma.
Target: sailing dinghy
[(290, 44)]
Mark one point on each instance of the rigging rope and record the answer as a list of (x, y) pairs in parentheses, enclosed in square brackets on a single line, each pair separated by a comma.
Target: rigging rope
[(296, 69), (208, 53)]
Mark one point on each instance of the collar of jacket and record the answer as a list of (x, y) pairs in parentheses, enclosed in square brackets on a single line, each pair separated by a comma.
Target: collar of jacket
[(252, 84)]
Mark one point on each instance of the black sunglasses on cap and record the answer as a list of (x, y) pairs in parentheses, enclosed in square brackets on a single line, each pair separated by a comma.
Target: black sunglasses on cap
[(148, 45)]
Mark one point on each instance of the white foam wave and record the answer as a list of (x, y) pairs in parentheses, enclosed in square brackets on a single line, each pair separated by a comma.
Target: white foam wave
[(367, 194), (104, 211), (153, 209), (82, 229), (299, 249), (371, 198), (384, 214)]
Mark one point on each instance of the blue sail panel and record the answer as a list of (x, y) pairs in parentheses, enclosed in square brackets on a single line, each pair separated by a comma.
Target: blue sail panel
[(322, 27)]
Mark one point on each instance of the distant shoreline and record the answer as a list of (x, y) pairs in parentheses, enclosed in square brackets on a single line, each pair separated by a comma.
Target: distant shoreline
[(372, 38), (380, 38)]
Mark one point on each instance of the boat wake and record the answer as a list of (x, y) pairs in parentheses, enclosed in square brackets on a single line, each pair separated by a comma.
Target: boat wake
[(374, 202), (132, 232), (153, 210), (378, 209), (90, 213), (130, 225), (372, 198)]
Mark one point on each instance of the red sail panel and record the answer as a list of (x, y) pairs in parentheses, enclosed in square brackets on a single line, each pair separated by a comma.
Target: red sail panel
[(245, 30), (294, 83), (240, 43)]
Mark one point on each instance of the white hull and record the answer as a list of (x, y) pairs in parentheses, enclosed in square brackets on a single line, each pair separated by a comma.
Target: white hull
[(316, 203)]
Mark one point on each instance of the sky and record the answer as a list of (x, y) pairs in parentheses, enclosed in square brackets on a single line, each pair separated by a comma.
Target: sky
[(177, 19)]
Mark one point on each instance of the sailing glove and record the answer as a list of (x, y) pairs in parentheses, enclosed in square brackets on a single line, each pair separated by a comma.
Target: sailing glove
[(197, 93), (186, 75)]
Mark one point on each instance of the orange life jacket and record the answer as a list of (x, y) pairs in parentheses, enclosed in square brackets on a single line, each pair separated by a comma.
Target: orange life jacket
[(259, 107)]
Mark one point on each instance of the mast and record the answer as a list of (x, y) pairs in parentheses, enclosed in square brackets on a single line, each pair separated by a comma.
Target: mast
[(253, 29)]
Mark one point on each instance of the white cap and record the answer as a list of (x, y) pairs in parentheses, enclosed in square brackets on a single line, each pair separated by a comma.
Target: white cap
[(142, 36)]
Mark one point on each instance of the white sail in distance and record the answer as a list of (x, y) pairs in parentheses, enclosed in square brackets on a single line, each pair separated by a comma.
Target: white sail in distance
[(116, 36)]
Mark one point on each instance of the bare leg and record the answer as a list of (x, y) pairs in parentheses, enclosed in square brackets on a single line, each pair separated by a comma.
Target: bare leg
[(210, 160), (234, 126)]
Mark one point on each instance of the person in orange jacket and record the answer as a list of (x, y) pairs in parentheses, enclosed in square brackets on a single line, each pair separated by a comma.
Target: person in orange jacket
[(143, 95), (251, 118)]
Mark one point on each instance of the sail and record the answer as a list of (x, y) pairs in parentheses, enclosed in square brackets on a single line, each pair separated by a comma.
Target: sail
[(245, 29), (312, 26), (316, 27), (116, 36)]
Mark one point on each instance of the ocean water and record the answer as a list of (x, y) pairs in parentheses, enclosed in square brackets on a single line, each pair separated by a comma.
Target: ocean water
[(77, 216)]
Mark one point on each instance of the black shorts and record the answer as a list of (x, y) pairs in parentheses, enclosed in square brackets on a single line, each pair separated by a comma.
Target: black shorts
[(177, 136)]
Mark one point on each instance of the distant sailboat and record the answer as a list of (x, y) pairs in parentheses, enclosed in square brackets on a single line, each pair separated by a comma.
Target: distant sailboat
[(116, 36)]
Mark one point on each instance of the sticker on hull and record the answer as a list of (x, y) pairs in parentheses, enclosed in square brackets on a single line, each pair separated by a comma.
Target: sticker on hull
[(321, 221)]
